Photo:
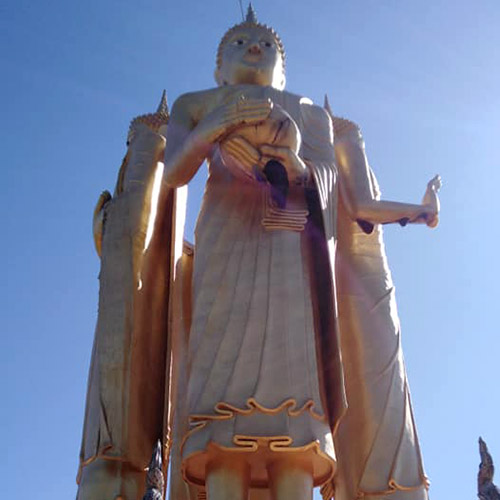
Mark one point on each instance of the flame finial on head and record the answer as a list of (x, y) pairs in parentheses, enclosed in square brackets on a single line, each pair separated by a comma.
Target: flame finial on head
[(251, 16)]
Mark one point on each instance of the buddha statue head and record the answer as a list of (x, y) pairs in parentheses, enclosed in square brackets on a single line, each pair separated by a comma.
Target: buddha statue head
[(251, 53)]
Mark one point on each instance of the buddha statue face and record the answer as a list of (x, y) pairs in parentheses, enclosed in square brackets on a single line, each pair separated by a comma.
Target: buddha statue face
[(250, 54)]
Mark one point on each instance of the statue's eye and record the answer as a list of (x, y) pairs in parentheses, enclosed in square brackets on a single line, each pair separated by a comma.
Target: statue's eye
[(267, 44), (240, 41)]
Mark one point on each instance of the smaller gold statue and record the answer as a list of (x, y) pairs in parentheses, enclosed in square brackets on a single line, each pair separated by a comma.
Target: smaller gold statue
[(126, 385)]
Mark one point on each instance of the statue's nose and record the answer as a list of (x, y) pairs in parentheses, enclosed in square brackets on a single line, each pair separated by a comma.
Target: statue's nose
[(254, 49)]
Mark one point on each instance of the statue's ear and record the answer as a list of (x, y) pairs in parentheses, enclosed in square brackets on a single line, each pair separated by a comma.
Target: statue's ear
[(283, 82), (217, 77)]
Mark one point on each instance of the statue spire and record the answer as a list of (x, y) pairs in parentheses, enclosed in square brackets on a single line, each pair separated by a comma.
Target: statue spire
[(163, 106), (486, 489), (251, 16), (154, 120), (327, 106)]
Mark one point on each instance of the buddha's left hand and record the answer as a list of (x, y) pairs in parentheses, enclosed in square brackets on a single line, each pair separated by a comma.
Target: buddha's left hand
[(297, 170), (242, 151)]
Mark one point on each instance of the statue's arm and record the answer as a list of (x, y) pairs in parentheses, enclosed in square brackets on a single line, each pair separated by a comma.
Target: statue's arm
[(196, 123), (185, 150), (359, 194)]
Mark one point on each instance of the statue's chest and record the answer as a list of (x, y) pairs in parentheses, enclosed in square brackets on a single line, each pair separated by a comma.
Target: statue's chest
[(287, 101), (248, 91)]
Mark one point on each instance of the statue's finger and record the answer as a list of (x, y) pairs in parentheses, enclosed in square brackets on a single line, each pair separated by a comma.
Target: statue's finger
[(252, 103), (250, 106), (279, 152), (242, 142), (250, 118), (235, 151), (262, 110), (433, 222), (436, 182), (264, 159), (255, 105), (250, 157), (241, 154)]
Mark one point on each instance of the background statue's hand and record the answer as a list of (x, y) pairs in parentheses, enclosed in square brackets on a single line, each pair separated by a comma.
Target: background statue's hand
[(431, 201), (228, 117), (98, 220), (297, 170)]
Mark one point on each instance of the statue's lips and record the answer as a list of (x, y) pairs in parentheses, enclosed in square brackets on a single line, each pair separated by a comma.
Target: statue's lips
[(252, 58)]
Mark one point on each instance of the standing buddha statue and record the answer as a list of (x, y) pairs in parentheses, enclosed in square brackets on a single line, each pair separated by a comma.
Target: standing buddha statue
[(268, 395), (281, 339)]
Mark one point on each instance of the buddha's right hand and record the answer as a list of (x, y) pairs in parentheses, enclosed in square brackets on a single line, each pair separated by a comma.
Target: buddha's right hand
[(428, 211), (431, 201), (229, 116)]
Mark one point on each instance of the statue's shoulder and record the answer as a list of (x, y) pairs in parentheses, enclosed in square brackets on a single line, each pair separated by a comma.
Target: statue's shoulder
[(315, 120), (199, 96), (343, 128), (306, 105), (194, 105), (314, 112)]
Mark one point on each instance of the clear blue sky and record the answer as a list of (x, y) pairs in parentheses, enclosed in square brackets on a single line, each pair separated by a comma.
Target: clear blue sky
[(422, 79)]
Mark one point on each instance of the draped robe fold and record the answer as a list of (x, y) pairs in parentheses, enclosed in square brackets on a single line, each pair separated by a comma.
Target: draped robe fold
[(253, 361)]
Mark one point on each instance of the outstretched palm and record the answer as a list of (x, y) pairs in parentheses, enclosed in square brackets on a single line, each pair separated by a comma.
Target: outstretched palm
[(431, 199)]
